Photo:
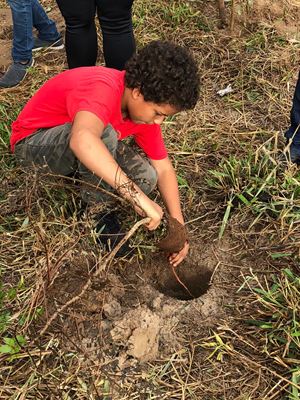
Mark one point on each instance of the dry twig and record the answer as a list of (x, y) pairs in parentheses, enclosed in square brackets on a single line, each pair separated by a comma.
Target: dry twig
[(106, 262)]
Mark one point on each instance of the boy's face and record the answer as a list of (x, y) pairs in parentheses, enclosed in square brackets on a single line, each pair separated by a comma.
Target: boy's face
[(146, 112)]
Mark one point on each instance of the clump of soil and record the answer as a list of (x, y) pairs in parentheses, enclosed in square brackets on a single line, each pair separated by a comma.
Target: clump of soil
[(176, 237), (138, 333)]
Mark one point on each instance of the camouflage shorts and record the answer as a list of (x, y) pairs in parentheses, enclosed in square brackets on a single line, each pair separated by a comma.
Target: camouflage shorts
[(50, 148)]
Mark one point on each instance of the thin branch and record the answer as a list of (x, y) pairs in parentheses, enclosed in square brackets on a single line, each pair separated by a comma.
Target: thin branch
[(106, 262)]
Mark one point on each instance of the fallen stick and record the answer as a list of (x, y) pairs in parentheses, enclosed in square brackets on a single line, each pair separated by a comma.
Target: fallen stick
[(107, 260)]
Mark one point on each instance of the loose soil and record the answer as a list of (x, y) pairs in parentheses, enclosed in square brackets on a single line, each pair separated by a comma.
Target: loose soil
[(133, 313), (5, 37)]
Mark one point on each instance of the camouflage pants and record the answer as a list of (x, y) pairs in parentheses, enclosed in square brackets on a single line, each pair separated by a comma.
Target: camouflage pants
[(50, 148)]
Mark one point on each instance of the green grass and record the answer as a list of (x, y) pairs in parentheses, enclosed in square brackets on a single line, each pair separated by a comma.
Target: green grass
[(278, 306), (7, 116), (258, 183)]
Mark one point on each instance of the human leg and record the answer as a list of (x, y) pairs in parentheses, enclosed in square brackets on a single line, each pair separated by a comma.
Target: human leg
[(46, 27), (116, 24), (22, 29), (26, 14), (136, 166), (48, 148), (22, 43), (81, 35), (293, 133)]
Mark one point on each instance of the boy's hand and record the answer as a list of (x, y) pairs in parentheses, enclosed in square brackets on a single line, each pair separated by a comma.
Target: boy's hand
[(176, 258), (152, 210), (156, 214)]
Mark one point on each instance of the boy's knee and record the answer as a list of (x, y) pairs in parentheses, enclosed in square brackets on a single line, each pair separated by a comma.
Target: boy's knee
[(110, 139), (146, 177), (148, 181), (136, 166)]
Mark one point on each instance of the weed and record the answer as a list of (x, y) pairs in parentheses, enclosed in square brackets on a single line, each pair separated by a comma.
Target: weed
[(262, 38), (278, 307), (256, 182), (12, 346), (217, 346)]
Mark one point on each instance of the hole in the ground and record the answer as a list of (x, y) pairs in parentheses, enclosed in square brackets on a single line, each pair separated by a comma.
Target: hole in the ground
[(191, 280), (191, 286)]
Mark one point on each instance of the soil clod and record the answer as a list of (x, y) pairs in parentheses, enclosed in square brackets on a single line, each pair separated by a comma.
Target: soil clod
[(176, 237)]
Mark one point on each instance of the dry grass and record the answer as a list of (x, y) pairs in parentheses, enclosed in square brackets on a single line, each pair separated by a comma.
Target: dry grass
[(225, 152)]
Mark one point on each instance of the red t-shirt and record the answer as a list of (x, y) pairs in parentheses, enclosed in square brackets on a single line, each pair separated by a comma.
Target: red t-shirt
[(95, 89)]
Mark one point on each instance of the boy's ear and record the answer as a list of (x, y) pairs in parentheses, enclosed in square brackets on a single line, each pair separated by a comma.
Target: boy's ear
[(136, 93)]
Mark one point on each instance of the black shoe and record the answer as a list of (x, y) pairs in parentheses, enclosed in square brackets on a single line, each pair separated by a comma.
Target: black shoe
[(291, 154), (40, 44), (294, 151), (109, 233)]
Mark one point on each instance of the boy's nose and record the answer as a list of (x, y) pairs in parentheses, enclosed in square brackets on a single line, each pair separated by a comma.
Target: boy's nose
[(159, 119)]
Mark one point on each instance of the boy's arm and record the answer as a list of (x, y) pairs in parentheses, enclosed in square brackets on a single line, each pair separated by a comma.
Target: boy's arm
[(86, 144), (168, 187)]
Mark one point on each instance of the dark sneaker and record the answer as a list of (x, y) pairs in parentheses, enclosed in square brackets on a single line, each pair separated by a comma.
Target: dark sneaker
[(110, 233), (15, 74), (295, 153), (292, 153), (39, 44)]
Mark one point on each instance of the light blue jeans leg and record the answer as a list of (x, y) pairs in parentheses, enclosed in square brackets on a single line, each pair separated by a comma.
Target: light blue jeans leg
[(22, 29)]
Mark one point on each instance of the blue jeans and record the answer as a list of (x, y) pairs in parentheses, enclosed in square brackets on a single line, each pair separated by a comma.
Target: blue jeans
[(294, 130), (26, 15)]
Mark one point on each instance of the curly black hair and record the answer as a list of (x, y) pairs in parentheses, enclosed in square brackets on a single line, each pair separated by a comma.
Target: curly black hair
[(165, 73)]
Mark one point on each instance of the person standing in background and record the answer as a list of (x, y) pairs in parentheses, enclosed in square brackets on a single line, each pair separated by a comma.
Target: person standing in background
[(115, 19), (293, 133), (27, 14)]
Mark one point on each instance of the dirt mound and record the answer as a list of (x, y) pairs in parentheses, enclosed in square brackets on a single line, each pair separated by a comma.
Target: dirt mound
[(283, 16), (128, 316), (138, 332)]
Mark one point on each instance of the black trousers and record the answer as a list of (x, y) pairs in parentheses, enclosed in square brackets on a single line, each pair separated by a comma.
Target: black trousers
[(294, 130), (81, 38)]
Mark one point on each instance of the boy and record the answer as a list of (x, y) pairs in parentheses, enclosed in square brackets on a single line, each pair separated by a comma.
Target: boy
[(75, 121)]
